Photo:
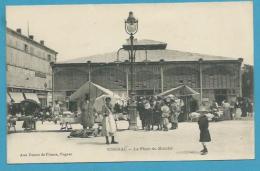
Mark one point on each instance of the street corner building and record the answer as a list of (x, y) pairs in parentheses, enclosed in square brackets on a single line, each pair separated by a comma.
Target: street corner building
[(156, 69), (28, 68)]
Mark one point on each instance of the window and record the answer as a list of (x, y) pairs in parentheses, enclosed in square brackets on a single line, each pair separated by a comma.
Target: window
[(49, 57), (10, 42), (31, 50), (17, 44), (40, 74), (38, 53), (26, 47), (10, 57)]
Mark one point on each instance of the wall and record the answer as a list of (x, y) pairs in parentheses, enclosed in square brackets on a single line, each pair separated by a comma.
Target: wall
[(217, 76), (28, 65)]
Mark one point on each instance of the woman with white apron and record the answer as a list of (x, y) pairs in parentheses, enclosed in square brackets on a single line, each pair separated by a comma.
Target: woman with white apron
[(108, 122), (238, 111)]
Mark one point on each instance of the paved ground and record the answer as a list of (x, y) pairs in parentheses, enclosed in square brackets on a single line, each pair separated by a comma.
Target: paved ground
[(230, 140)]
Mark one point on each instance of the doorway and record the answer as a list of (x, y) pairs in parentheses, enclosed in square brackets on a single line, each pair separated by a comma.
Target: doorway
[(220, 95)]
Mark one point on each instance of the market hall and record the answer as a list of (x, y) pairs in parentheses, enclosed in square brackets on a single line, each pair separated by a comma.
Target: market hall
[(156, 69)]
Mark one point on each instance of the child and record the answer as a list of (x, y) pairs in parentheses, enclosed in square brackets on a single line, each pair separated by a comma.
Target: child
[(165, 115), (204, 132)]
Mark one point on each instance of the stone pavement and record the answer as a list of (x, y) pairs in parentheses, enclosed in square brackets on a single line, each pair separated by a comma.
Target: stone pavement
[(230, 140)]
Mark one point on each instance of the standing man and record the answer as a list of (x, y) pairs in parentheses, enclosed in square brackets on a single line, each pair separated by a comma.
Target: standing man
[(158, 113), (141, 110), (204, 132), (147, 114), (56, 111), (244, 107)]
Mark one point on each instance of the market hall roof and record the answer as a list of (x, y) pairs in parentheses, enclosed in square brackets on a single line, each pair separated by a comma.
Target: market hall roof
[(152, 51)]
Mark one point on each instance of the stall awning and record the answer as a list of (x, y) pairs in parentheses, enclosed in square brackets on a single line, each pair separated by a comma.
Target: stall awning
[(32, 96), (17, 97), (92, 89), (182, 90)]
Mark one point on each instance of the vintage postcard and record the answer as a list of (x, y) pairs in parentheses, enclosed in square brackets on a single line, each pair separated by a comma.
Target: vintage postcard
[(130, 82)]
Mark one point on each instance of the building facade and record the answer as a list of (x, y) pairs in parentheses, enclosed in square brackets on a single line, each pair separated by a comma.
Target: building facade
[(28, 69), (156, 70)]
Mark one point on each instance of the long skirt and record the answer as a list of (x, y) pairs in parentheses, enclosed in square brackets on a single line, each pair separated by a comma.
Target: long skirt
[(87, 119), (165, 122), (29, 123), (238, 113), (108, 126), (148, 116), (205, 135), (226, 114), (157, 118), (174, 117)]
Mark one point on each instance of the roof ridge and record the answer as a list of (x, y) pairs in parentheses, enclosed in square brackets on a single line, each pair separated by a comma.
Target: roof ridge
[(152, 55)]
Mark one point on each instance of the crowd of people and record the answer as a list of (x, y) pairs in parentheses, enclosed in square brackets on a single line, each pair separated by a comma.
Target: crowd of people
[(159, 111), (155, 112), (241, 107)]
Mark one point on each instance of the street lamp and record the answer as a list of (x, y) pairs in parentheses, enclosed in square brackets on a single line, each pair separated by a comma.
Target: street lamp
[(131, 27)]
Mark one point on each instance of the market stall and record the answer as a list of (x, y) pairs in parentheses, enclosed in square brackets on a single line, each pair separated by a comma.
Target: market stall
[(184, 93), (92, 89), (30, 113)]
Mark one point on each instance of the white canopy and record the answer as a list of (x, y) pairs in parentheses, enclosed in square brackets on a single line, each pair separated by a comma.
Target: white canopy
[(92, 89), (17, 97), (100, 101), (182, 90), (32, 96)]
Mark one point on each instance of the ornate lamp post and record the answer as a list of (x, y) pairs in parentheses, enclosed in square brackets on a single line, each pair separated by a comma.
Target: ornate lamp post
[(131, 27)]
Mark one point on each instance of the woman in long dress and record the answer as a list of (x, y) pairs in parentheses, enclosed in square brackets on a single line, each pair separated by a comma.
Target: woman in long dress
[(204, 133), (108, 122), (226, 110), (175, 111), (87, 113), (238, 111)]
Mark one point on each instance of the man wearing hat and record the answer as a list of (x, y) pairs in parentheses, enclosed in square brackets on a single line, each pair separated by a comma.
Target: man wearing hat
[(141, 110), (147, 114)]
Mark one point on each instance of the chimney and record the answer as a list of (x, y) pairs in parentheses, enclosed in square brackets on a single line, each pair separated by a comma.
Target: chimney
[(19, 31), (42, 42), (31, 37)]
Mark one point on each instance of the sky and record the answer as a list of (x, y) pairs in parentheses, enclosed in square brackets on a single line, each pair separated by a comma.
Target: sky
[(215, 28)]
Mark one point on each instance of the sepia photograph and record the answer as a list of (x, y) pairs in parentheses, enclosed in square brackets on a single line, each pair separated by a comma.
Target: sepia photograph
[(130, 82)]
